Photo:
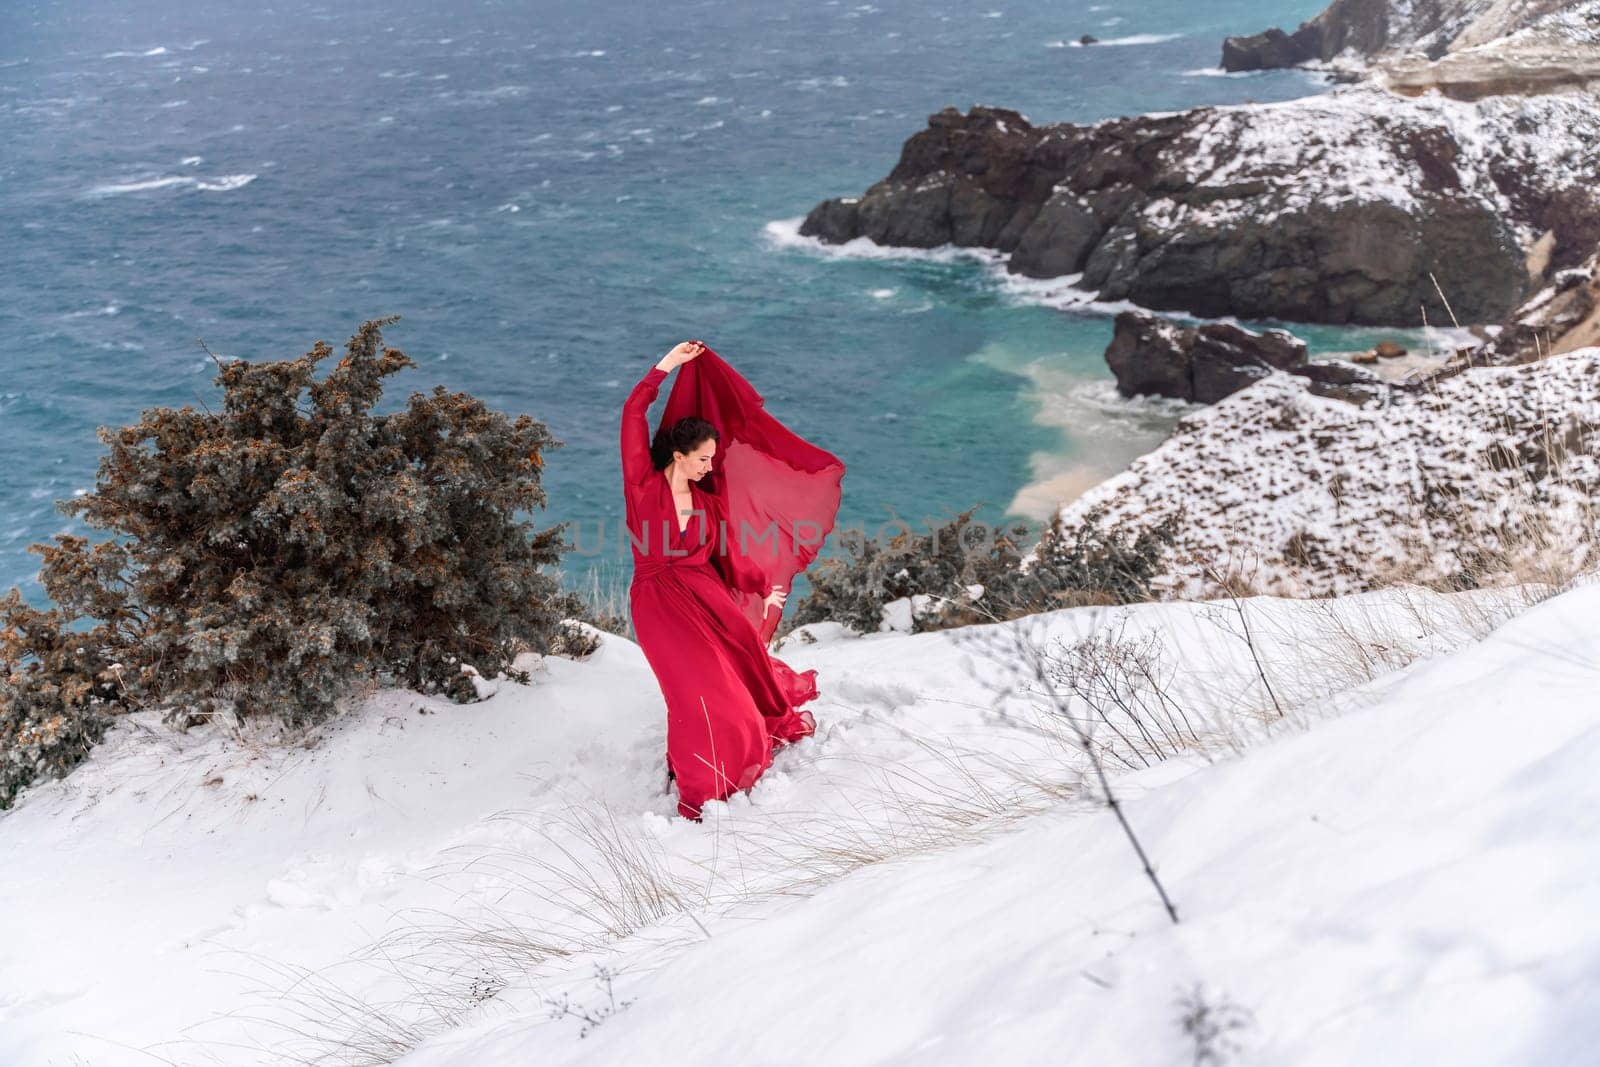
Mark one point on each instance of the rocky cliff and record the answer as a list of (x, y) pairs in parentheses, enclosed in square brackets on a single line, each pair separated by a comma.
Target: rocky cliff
[(1559, 50), (1357, 206), (1561, 317), (1357, 31)]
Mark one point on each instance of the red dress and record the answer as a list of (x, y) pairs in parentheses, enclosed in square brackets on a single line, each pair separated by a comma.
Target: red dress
[(696, 597)]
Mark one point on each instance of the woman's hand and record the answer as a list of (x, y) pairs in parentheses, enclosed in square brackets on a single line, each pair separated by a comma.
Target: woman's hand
[(681, 353), (774, 599)]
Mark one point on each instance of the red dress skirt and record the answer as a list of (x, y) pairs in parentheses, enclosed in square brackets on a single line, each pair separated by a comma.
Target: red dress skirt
[(696, 596)]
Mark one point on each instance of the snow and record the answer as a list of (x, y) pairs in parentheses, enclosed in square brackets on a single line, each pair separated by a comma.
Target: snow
[(1573, 23), (1396, 870), (1395, 888), (1349, 144), (1407, 488)]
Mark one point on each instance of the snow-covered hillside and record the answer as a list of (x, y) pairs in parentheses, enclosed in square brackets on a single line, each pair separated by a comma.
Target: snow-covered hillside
[(1298, 494), (1399, 868), (1341, 145)]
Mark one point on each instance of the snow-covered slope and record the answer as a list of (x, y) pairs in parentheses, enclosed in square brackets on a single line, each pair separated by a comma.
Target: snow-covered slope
[(1413, 884), (1361, 144), (1401, 861), (1295, 493)]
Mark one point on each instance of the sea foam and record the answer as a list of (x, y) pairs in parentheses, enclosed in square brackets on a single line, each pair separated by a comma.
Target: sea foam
[(223, 184), (785, 233)]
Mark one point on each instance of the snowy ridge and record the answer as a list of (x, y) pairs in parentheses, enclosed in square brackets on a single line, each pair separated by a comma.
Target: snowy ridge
[(1309, 496), (1570, 21), (1364, 31), (1349, 145)]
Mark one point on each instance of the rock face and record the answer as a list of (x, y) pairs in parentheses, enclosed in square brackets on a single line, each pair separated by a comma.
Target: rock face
[(1365, 29), (1357, 206), (1532, 66), (1151, 356), (1526, 48), (1304, 497), (1338, 380), (1271, 50), (1560, 318)]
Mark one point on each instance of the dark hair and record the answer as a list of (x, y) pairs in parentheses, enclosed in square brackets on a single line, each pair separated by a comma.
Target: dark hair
[(685, 435)]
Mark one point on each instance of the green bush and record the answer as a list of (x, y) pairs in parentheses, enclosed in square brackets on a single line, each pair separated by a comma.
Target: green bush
[(942, 562), (1092, 562), (57, 691), (268, 557)]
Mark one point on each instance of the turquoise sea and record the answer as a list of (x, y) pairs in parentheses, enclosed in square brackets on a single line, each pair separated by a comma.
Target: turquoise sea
[(552, 195)]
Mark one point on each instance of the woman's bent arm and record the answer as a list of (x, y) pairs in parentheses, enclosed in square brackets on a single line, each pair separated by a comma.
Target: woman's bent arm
[(636, 464)]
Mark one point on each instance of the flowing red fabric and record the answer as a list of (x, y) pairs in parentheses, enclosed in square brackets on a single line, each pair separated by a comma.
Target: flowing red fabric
[(761, 516)]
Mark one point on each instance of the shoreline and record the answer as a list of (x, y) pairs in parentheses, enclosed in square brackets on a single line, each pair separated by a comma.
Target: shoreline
[(1062, 398)]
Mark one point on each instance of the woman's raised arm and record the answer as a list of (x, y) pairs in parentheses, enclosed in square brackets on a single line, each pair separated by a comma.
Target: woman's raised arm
[(636, 463)]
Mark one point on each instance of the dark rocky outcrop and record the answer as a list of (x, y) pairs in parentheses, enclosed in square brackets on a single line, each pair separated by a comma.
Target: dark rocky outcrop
[(1362, 27), (1338, 380), (1150, 355), (1352, 207), (1271, 49)]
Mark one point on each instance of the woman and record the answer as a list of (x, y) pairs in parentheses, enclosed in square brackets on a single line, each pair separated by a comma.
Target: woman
[(724, 507)]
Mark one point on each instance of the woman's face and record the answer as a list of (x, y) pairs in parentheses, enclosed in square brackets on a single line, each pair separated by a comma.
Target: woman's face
[(697, 464)]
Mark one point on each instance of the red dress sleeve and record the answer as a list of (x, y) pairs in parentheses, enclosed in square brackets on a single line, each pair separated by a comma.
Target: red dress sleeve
[(636, 465)]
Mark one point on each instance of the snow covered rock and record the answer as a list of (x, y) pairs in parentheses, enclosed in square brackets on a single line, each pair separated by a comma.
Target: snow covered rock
[(1562, 317), (1356, 30), (1297, 494), (1356, 206)]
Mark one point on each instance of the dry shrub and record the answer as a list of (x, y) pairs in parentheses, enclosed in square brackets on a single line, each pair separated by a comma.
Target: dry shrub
[(973, 572)]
